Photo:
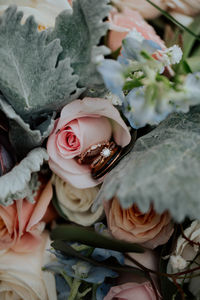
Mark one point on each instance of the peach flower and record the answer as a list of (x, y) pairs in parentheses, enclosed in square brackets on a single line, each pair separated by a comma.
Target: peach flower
[(83, 123), (132, 290), (142, 6), (121, 23), (149, 229), (21, 223)]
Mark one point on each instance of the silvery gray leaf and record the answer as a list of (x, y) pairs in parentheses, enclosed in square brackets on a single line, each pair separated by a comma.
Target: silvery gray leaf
[(163, 168), (17, 183), (22, 136), (31, 79), (80, 32)]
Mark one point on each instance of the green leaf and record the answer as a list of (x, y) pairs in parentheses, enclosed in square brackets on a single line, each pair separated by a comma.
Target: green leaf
[(80, 32), (188, 39), (31, 79), (194, 63), (69, 251), (17, 183), (163, 169), (73, 233), (22, 137)]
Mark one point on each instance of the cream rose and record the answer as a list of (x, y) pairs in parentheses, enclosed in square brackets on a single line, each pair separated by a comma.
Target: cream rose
[(44, 11), (150, 229), (21, 275), (76, 204), (184, 253)]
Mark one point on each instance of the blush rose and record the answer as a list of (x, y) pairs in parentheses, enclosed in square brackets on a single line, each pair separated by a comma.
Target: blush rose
[(21, 275), (131, 290), (21, 223), (149, 229), (142, 6), (121, 23), (83, 123)]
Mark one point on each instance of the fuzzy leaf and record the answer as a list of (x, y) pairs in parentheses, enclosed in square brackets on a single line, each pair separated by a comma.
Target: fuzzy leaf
[(22, 137), (30, 78), (80, 32), (162, 168), (17, 183)]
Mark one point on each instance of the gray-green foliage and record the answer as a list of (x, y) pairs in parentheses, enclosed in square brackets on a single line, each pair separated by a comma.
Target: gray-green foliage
[(30, 78), (80, 32), (21, 135), (163, 168), (20, 181)]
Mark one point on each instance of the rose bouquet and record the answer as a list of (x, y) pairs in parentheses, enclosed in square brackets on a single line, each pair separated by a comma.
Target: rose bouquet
[(99, 149)]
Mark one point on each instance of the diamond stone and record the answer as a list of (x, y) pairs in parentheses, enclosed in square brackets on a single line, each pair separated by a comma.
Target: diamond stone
[(106, 152)]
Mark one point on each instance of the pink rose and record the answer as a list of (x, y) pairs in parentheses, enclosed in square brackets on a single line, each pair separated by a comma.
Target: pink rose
[(149, 229), (130, 291), (83, 123), (143, 7), (21, 223), (121, 23)]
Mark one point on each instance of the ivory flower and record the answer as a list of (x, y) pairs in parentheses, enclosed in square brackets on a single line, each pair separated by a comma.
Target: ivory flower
[(21, 275), (76, 204), (185, 253), (44, 11)]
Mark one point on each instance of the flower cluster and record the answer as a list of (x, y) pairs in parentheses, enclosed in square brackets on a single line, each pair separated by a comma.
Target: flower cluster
[(98, 199)]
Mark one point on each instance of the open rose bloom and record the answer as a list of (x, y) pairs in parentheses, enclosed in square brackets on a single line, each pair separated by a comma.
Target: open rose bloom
[(21, 223), (83, 123), (149, 229)]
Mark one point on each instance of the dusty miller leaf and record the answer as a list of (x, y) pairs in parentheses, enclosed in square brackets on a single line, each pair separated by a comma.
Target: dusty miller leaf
[(80, 32), (17, 183), (22, 137), (30, 78), (163, 169)]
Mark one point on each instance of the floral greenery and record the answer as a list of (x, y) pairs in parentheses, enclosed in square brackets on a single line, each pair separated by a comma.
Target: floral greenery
[(80, 33), (160, 163)]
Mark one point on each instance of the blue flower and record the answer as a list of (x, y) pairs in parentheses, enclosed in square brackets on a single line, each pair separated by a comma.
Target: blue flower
[(113, 75), (140, 111)]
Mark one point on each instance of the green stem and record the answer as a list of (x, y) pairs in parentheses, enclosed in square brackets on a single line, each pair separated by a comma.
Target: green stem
[(67, 279), (74, 289), (167, 15)]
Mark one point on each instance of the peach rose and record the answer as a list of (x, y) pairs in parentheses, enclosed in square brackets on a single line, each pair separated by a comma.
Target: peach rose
[(83, 123), (130, 291), (121, 23), (21, 223), (149, 229), (142, 6), (21, 275)]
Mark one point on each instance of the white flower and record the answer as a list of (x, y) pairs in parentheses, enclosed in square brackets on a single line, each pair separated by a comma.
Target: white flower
[(114, 99), (44, 11), (76, 204), (170, 56), (184, 254), (21, 275)]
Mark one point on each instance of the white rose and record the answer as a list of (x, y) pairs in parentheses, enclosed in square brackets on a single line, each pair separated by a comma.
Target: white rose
[(21, 275), (44, 11), (185, 253), (76, 204)]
